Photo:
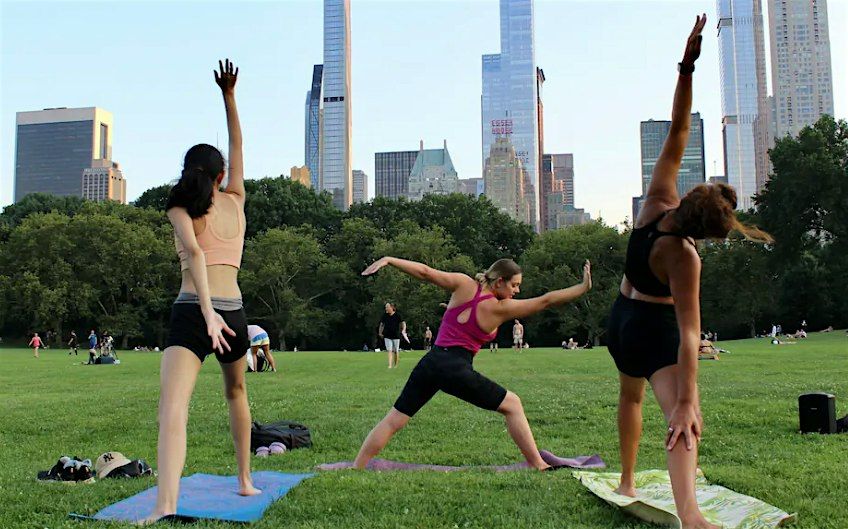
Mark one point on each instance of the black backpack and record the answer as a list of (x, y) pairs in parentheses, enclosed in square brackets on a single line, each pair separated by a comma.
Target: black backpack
[(291, 434)]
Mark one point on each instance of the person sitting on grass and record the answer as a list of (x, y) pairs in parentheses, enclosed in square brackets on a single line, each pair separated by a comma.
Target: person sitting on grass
[(475, 311)]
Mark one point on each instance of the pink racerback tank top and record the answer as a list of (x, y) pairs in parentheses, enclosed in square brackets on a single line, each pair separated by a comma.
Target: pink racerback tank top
[(467, 335)]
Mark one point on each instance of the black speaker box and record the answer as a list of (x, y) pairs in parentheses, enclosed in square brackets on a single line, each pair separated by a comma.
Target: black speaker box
[(817, 413)]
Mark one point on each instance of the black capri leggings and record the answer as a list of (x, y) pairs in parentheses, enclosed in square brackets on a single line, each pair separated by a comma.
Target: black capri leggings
[(448, 369)]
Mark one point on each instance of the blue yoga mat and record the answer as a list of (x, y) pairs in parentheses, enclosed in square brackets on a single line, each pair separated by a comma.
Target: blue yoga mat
[(209, 496)]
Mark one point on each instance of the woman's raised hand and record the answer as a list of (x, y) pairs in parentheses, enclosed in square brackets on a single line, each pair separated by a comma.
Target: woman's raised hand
[(226, 76), (693, 43), (376, 265), (587, 275)]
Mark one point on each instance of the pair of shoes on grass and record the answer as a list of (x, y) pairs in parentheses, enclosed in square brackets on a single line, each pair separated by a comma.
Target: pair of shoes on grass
[(69, 470), (276, 448)]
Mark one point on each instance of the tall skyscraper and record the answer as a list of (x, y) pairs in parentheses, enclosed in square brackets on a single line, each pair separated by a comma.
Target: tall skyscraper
[(558, 198), (692, 171), (360, 186), (432, 174), (104, 181), (391, 173), (301, 175), (54, 146), (312, 139), (545, 186), (802, 81), (509, 102), (745, 109), (504, 179), (336, 176)]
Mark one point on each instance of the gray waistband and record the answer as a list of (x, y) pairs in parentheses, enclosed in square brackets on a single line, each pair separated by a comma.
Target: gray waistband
[(217, 303)]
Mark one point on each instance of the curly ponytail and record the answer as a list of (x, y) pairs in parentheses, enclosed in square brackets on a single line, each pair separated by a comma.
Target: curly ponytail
[(201, 167), (708, 212)]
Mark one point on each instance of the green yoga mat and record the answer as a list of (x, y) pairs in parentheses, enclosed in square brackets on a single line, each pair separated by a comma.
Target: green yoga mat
[(655, 503)]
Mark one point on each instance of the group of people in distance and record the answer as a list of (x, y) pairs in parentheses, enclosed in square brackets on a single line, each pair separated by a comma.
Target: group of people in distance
[(653, 333)]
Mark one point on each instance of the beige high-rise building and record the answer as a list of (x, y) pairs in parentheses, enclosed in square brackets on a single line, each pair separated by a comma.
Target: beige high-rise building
[(104, 181), (302, 175), (53, 146), (504, 180), (802, 81)]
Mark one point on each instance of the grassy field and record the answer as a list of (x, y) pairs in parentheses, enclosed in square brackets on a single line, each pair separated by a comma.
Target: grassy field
[(54, 406)]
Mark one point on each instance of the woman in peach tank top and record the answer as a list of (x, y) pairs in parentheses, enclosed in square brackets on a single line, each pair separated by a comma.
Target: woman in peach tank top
[(207, 316)]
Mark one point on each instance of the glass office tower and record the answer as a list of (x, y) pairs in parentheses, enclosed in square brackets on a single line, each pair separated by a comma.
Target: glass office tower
[(336, 175)]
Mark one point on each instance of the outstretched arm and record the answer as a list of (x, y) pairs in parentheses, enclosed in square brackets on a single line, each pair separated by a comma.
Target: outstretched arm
[(449, 281), (664, 178), (226, 79), (521, 308)]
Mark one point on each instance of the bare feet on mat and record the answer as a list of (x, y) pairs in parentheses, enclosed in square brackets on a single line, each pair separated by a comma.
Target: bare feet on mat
[(247, 489), (153, 518), (626, 490)]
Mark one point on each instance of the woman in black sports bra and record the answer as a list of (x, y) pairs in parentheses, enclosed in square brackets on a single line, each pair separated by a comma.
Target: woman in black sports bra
[(655, 324)]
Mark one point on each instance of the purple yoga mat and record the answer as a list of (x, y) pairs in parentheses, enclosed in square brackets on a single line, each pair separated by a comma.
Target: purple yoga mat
[(581, 462)]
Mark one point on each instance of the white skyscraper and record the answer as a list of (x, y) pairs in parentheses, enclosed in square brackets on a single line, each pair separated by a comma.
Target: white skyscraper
[(336, 176), (509, 98), (745, 113), (802, 81)]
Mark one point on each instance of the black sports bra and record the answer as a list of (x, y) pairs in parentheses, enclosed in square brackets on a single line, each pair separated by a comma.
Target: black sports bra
[(637, 267)]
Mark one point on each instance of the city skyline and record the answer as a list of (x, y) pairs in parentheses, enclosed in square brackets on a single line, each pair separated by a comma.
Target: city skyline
[(590, 121)]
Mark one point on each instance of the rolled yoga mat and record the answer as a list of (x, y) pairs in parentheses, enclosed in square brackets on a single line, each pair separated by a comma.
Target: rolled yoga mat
[(581, 462), (654, 501), (208, 496)]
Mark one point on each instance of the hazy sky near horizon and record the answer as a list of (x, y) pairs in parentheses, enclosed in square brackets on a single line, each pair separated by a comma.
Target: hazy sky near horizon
[(416, 75)]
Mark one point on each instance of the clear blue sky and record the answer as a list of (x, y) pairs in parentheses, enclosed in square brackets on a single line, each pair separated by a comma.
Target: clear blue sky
[(416, 75)]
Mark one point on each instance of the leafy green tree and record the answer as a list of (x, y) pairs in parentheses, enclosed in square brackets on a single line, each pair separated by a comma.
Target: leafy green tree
[(131, 270), (486, 233), (37, 203), (805, 202), (738, 288), (417, 302), (555, 260), (288, 280), (42, 287), (280, 202), (154, 198)]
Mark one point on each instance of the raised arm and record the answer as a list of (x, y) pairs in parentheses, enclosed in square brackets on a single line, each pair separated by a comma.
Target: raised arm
[(226, 79), (664, 178), (509, 309), (184, 230), (449, 281)]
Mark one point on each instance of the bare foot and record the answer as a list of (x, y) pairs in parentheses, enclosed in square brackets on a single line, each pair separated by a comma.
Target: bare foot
[(626, 490), (699, 523), (153, 518), (248, 489)]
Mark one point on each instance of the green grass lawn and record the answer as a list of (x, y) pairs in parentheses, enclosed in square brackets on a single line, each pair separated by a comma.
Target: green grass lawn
[(54, 406)]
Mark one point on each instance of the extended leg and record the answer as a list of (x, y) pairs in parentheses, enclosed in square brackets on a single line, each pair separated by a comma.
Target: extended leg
[(380, 436), (519, 430)]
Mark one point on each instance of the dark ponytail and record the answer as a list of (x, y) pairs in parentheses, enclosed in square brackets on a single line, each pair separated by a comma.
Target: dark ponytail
[(708, 212), (201, 167)]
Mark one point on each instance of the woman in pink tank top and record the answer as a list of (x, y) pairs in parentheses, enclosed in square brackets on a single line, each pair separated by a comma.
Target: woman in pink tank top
[(475, 311)]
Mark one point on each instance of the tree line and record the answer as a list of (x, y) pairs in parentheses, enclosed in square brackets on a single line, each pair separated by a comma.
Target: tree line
[(66, 263)]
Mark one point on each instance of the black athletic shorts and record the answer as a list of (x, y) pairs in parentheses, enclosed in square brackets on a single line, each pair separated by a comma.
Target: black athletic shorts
[(448, 369), (188, 329), (642, 337)]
